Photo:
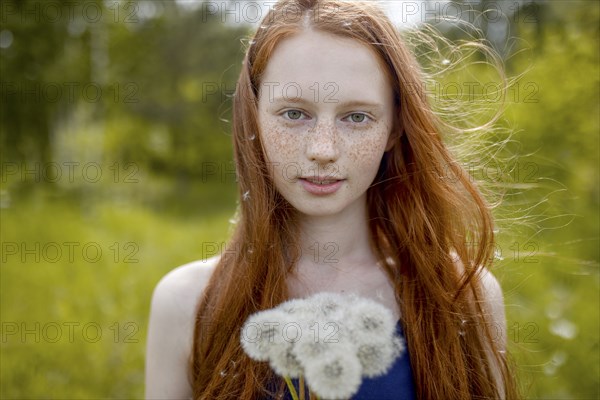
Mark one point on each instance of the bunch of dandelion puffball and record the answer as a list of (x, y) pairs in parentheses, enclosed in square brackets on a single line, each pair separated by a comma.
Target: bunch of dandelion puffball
[(329, 339)]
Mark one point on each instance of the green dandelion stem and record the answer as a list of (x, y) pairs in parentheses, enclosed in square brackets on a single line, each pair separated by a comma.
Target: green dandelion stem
[(291, 388), (301, 384)]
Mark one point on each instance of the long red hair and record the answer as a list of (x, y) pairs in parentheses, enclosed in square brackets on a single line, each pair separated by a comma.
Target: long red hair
[(418, 218)]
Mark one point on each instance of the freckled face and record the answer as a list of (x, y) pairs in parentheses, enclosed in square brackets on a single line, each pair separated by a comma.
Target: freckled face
[(325, 114)]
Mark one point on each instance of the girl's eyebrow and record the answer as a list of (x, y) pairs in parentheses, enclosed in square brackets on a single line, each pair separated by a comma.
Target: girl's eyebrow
[(362, 103), (350, 103)]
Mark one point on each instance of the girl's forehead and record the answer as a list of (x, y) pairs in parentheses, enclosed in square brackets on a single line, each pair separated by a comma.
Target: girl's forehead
[(318, 63)]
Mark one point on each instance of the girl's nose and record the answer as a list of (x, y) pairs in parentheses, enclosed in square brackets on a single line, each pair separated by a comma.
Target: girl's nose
[(322, 144)]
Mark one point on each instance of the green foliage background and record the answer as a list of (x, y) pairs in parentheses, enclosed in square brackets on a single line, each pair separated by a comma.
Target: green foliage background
[(75, 326)]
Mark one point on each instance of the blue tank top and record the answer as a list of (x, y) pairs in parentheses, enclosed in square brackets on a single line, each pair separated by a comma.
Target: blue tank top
[(397, 384)]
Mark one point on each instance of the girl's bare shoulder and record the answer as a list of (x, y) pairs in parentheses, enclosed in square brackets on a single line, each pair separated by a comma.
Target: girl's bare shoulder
[(492, 291), (180, 289), (171, 328)]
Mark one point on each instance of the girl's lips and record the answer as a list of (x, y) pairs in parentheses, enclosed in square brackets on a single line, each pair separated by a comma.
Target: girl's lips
[(318, 189)]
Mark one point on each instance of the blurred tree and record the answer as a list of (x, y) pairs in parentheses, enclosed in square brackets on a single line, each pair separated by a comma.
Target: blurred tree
[(36, 72), (189, 62), (163, 71)]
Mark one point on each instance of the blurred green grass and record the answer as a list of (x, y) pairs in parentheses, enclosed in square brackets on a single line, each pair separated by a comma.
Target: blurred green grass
[(90, 315), (552, 319)]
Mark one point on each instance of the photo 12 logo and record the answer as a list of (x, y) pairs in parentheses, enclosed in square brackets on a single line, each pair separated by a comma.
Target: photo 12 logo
[(69, 92), (70, 172), (59, 12), (68, 252), (318, 92), (325, 253), (68, 332)]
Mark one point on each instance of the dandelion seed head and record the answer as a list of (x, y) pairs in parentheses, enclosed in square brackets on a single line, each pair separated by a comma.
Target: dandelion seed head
[(328, 299), (498, 255), (377, 357), (330, 305), (296, 307), (334, 376), (306, 350), (329, 308), (371, 323), (261, 332), (320, 343), (284, 362), (333, 370), (369, 356), (369, 318)]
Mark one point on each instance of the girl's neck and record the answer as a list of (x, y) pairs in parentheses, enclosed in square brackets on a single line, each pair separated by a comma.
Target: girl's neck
[(337, 257), (337, 241)]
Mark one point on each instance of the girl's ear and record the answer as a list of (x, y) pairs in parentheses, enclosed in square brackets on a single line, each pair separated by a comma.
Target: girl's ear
[(396, 133), (391, 141)]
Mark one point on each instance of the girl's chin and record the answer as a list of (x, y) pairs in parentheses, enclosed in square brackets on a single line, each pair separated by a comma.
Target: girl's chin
[(318, 210)]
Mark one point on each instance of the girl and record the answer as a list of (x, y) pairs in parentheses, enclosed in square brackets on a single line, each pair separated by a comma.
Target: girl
[(344, 187)]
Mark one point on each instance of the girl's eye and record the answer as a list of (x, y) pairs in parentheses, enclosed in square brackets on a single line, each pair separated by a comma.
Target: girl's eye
[(293, 114), (358, 117)]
